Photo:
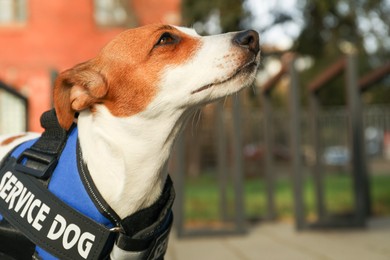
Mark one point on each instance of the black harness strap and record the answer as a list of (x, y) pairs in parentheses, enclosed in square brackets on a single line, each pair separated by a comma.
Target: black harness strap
[(13, 244), (11, 239), (41, 158), (146, 232)]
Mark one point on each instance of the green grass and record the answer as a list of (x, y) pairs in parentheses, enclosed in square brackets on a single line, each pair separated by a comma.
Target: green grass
[(202, 197)]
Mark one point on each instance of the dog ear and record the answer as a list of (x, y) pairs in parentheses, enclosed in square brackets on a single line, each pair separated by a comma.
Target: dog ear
[(77, 89)]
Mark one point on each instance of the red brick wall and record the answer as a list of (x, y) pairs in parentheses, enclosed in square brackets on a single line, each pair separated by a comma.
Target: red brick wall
[(57, 35)]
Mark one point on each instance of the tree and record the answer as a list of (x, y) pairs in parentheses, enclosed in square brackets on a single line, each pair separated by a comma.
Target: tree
[(325, 26), (214, 16), (330, 24)]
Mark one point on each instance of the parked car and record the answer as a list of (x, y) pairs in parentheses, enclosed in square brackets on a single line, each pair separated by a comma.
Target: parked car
[(336, 156)]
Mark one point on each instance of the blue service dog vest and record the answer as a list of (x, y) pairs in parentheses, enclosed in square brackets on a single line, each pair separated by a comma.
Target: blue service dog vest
[(67, 185), (54, 222)]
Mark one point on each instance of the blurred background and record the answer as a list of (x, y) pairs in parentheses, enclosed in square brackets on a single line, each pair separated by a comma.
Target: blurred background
[(308, 143)]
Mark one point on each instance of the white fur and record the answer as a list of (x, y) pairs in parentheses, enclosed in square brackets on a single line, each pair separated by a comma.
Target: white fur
[(4, 149), (127, 157)]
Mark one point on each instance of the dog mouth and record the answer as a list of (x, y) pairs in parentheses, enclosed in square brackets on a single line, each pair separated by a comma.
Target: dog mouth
[(247, 68)]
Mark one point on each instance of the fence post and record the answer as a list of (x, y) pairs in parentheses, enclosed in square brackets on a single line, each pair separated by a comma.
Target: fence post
[(359, 163), (317, 169), (238, 172), (221, 159), (179, 184), (268, 154), (295, 140)]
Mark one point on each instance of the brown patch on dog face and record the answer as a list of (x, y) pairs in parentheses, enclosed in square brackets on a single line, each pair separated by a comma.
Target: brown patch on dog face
[(138, 61), (125, 75), (11, 139)]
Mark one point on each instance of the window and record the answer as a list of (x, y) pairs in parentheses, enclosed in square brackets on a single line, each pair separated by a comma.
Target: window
[(114, 13), (13, 111), (12, 11)]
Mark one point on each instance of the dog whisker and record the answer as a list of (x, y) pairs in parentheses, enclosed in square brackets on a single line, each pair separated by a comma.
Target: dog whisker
[(200, 111), (225, 101), (253, 87), (196, 121)]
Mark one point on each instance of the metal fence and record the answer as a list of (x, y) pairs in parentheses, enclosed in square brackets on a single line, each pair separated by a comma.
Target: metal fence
[(218, 129), (333, 125)]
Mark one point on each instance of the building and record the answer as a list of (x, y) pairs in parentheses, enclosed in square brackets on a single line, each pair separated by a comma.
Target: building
[(41, 38)]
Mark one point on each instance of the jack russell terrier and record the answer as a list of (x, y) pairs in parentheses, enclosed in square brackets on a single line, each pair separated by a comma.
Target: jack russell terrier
[(132, 100)]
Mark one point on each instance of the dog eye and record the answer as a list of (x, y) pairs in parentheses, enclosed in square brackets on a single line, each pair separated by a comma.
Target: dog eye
[(166, 38)]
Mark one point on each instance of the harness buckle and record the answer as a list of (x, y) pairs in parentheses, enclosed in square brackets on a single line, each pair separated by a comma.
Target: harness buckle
[(117, 230), (40, 165)]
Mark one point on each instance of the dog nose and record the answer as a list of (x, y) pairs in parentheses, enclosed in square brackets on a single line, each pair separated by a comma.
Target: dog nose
[(248, 39)]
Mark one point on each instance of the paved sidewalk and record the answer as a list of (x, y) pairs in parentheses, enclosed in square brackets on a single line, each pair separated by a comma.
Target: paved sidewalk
[(280, 241)]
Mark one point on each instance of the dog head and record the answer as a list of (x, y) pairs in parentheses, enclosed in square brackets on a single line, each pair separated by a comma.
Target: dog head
[(155, 68)]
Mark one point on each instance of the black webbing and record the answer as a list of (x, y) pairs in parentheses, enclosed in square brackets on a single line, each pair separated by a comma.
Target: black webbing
[(144, 226), (41, 158), (53, 139)]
